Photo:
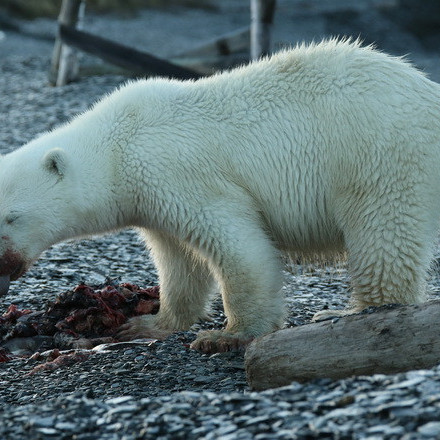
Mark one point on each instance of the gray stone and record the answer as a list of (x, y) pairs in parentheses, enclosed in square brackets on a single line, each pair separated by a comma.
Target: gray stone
[(42, 421), (430, 430), (48, 431)]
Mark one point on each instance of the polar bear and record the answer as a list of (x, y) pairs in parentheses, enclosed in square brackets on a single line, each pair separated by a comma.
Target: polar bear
[(318, 149)]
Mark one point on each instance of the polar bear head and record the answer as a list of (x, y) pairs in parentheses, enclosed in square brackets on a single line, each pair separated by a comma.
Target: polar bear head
[(30, 189), (54, 188)]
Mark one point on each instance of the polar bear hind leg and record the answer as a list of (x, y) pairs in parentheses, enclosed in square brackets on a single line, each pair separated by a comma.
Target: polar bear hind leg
[(389, 252)]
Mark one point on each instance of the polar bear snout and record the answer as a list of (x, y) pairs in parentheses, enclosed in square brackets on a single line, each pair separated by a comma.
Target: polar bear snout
[(12, 264)]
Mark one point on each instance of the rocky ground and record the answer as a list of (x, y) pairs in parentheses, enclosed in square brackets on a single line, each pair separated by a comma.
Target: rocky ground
[(165, 390)]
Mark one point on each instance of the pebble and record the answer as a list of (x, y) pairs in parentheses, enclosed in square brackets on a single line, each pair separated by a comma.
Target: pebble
[(430, 430)]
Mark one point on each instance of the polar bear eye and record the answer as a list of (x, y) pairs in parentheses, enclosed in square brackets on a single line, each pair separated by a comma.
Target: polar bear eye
[(11, 218)]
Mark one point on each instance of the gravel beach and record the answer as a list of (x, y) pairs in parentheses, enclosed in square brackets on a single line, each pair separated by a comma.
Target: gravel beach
[(164, 390)]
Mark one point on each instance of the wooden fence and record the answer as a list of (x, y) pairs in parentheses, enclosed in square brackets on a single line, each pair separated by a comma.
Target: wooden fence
[(70, 36)]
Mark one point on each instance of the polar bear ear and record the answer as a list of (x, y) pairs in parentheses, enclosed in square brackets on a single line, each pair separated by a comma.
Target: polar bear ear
[(55, 162)]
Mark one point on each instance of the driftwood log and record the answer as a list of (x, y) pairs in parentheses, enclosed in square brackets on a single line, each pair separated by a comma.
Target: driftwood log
[(389, 340)]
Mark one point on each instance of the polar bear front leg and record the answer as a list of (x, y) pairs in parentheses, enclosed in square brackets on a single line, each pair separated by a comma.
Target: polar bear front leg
[(185, 284), (247, 267)]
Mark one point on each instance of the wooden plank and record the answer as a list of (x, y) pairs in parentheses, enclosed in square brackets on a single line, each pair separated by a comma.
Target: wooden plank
[(123, 56), (224, 45), (388, 341), (207, 65), (221, 53)]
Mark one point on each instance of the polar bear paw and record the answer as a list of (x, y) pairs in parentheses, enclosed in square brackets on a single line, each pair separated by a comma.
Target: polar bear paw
[(220, 341), (141, 327)]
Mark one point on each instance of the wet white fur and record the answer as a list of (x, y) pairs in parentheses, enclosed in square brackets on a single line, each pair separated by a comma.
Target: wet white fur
[(319, 148)]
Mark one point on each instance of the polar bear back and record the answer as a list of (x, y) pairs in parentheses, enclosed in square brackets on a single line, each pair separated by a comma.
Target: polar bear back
[(291, 135)]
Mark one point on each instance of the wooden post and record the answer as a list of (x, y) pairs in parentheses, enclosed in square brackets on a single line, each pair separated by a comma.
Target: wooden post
[(262, 12), (64, 66)]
